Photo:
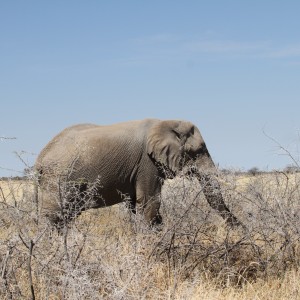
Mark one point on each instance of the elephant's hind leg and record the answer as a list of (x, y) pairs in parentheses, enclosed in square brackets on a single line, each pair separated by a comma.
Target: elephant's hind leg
[(50, 208), (62, 207)]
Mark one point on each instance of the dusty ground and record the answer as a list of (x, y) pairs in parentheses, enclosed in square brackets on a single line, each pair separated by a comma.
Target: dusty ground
[(14, 190)]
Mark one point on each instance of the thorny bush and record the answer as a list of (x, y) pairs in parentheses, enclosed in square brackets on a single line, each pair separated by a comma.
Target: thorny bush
[(110, 253)]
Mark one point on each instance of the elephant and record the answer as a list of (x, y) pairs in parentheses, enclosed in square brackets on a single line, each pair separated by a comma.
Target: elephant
[(130, 158)]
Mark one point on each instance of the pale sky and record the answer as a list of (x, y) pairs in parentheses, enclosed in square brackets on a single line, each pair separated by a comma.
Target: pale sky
[(230, 67)]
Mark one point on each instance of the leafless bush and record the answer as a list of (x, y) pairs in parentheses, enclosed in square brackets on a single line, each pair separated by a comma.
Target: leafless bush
[(195, 242), (111, 254)]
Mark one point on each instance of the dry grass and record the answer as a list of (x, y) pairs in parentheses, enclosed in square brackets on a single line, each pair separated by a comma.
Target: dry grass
[(110, 254)]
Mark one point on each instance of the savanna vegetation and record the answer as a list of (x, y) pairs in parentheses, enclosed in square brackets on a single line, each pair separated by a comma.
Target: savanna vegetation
[(110, 253)]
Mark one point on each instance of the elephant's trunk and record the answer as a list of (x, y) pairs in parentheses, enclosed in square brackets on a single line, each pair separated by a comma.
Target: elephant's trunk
[(212, 192), (206, 174)]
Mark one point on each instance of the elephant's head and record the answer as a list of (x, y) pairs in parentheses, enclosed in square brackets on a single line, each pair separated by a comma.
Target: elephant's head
[(179, 144)]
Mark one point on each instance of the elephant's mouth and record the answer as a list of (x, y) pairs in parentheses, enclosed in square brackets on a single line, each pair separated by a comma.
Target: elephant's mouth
[(164, 171)]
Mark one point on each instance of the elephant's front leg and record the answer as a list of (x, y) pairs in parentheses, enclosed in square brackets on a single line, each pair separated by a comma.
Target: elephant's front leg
[(151, 211), (148, 205), (132, 204)]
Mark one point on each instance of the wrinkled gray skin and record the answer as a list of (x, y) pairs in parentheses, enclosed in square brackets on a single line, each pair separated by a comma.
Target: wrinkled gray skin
[(131, 158)]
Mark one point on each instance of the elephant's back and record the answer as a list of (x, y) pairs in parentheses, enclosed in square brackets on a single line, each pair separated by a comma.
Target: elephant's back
[(87, 145), (69, 132), (87, 149)]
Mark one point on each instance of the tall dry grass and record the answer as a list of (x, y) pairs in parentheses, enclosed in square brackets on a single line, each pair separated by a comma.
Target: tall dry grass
[(111, 254)]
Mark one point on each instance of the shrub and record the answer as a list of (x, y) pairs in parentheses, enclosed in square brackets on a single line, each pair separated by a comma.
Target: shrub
[(110, 253)]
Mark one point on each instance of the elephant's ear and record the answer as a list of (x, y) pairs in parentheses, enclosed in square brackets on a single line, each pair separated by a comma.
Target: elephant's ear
[(164, 144)]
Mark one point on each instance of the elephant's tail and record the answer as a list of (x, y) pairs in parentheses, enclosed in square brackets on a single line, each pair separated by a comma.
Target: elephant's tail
[(36, 184)]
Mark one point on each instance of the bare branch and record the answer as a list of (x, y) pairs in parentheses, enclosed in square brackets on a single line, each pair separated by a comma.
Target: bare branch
[(2, 138), (285, 150)]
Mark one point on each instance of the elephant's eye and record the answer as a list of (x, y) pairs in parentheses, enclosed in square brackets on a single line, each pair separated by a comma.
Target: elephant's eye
[(177, 134)]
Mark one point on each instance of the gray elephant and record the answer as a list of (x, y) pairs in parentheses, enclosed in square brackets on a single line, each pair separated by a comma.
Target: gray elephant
[(130, 158)]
